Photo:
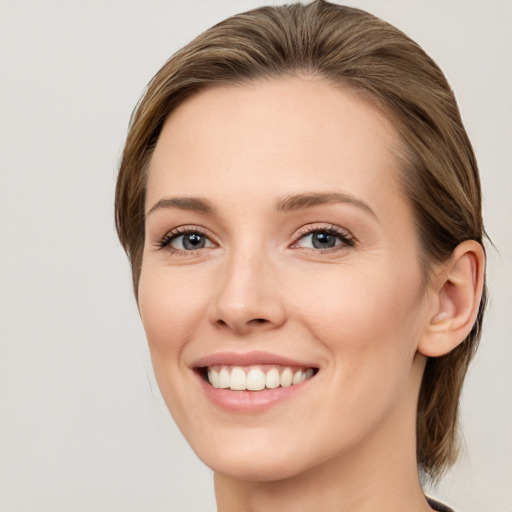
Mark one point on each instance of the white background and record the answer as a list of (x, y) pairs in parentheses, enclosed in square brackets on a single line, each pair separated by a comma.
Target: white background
[(82, 425)]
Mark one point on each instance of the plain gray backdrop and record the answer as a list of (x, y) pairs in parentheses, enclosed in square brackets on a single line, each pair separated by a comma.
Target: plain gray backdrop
[(82, 425)]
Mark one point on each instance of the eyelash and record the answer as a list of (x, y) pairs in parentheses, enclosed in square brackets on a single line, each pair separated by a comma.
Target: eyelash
[(165, 242), (344, 236)]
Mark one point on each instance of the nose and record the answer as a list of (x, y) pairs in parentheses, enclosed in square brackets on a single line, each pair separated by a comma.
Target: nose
[(248, 296)]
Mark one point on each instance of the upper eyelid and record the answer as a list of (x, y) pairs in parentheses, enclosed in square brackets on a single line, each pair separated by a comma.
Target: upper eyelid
[(183, 230), (332, 228)]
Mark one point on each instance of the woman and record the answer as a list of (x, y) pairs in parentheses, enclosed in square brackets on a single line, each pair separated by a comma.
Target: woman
[(301, 207)]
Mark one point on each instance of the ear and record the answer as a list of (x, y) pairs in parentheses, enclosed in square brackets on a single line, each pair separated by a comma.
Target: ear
[(457, 290)]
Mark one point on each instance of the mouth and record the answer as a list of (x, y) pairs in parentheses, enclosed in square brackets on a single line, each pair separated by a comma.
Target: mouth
[(255, 377), (253, 382)]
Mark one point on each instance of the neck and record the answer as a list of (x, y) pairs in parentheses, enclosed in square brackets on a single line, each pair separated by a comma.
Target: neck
[(379, 474)]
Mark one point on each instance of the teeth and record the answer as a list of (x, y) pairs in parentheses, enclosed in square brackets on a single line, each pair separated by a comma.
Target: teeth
[(286, 377), (255, 378), (213, 377), (272, 379), (238, 380), (224, 378), (297, 377)]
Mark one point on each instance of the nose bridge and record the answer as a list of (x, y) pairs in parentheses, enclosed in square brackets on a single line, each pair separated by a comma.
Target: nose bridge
[(247, 297)]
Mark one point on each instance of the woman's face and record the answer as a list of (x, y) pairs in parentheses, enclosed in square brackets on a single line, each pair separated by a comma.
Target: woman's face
[(279, 248)]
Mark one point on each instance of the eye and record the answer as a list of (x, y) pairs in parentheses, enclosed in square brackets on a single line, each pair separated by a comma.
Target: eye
[(324, 238), (186, 241), (319, 240), (190, 242)]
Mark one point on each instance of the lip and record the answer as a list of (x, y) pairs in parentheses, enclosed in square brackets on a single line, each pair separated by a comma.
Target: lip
[(249, 402), (250, 359)]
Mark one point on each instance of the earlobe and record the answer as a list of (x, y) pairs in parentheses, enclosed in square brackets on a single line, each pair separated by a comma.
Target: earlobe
[(458, 289)]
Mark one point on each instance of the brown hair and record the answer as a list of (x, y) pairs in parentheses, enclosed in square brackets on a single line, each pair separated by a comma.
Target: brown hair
[(355, 50)]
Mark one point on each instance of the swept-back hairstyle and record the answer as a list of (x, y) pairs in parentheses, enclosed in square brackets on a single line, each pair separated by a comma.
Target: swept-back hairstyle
[(357, 51)]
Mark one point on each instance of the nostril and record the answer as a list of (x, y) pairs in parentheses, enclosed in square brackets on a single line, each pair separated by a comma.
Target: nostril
[(221, 324)]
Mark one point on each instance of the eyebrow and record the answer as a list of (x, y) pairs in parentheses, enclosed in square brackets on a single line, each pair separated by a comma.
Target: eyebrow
[(285, 204), (191, 204), (307, 200)]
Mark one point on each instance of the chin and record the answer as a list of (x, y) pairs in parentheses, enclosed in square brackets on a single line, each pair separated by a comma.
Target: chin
[(256, 455), (254, 469)]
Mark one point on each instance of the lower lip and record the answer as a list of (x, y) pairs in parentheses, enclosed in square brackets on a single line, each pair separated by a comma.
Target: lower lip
[(248, 402)]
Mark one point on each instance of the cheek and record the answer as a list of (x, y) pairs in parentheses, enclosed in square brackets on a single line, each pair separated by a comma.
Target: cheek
[(169, 305), (369, 323), (366, 315)]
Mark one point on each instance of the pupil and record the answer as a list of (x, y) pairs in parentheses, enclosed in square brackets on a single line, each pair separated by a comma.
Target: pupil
[(193, 241), (323, 240)]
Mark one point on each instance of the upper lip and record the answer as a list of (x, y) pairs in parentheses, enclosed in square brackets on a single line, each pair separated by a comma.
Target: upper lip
[(249, 359)]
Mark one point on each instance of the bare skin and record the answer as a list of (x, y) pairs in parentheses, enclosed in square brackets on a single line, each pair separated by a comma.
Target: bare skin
[(340, 484), (276, 224)]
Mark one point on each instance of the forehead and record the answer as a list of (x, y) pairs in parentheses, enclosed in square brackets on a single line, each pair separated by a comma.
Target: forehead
[(274, 137)]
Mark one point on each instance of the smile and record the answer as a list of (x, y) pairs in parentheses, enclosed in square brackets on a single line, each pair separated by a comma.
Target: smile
[(256, 378), (253, 382)]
